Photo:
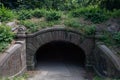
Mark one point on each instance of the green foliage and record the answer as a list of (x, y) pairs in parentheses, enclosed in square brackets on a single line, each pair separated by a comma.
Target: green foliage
[(86, 29), (24, 14), (22, 77), (38, 13), (116, 37), (72, 23), (98, 78), (89, 30), (53, 15), (48, 4), (107, 38), (31, 26), (110, 4), (6, 36), (115, 13), (5, 14), (3, 46), (35, 26), (93, 13)]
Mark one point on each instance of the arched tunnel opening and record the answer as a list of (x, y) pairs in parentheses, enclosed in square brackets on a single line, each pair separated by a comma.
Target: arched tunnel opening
[(60, 60), (60, 51)]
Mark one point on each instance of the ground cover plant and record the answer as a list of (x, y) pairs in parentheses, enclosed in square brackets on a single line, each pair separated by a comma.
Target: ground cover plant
[(6, 14), (6, 36)]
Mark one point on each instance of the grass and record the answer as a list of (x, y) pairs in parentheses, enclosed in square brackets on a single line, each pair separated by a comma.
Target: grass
[(22, 77), (99, 78)]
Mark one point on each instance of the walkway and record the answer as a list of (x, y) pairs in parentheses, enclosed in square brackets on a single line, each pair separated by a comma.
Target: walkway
[(51, 70)]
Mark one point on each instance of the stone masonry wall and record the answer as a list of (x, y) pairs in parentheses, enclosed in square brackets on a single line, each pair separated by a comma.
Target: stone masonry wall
[(13, 61), (36, 40), (106, 62)]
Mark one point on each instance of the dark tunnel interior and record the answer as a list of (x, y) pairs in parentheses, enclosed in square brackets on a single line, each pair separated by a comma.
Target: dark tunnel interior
[(61, 51)]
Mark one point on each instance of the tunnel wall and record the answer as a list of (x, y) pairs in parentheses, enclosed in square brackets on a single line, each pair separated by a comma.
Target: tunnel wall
[(106, 62), (36, 40), (13, 60)]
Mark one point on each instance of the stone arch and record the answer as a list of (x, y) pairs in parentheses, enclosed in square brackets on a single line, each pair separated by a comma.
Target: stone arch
[(36, 40), (66, 51)]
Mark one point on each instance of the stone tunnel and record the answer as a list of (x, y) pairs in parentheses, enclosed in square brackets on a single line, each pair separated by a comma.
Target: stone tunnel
[(72, 45), (58, 44)]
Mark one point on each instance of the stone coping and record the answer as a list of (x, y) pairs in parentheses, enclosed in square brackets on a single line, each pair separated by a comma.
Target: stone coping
[(52, 29)]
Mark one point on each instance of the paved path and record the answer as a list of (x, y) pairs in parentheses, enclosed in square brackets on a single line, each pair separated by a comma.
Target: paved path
[(50, 70)]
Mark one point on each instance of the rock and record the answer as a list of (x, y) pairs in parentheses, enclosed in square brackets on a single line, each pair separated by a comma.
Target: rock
[(13, 25), (113, 28)]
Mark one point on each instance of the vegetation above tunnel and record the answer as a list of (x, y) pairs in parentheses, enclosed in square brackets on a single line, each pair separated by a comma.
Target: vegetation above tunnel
[(83, 15)]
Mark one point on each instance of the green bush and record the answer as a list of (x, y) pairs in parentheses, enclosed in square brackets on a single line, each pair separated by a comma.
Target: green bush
[(107, 38), (24, 14), (72, 23), (116, 37), (3, 45), (6, 14), (98, 78), (78, 12), (6, 36), (39, 13), (89, 30), (31, 26), (93, 13), (115, 13), (53, 15)]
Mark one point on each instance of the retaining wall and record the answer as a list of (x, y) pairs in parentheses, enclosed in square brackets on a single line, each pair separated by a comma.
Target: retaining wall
[(106, 62), (13, 60)]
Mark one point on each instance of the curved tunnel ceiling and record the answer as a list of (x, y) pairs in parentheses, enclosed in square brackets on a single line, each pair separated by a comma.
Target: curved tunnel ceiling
[(61, 50)]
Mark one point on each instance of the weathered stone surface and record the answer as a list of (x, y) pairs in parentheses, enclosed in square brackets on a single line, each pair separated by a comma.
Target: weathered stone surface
[(13, 25), (56, 34), (106, 63), (13, 60)]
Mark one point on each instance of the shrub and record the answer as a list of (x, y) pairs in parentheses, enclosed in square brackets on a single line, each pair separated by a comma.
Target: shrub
[(107, 38), (6, 36), (89, 30), (116, 13), (3, 45), (72, 23), (39, 13), (5, 14), (31, 26), (78, 12), (116, 37), (93, 13), (24, 14), (98, 78), (53, 15)]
